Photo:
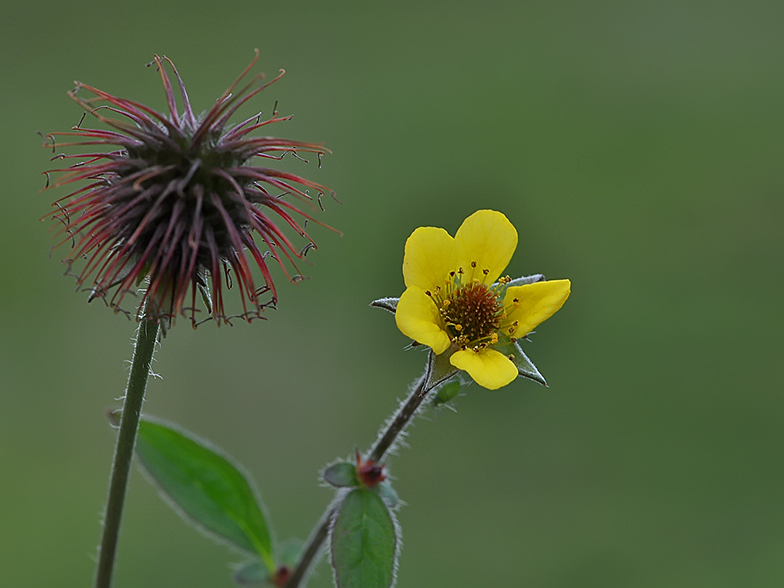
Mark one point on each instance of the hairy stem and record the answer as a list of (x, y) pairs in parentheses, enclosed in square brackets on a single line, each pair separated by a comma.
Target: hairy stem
[(123, 453), (396, 425), (400, 420)]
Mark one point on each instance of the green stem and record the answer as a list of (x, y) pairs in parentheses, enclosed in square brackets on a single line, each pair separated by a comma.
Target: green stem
[(385, 441), (146, 336)]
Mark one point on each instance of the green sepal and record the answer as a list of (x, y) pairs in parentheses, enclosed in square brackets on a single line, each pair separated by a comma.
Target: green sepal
[(363, 541), (525, 280), (525, 367), (204, 486), (447, 392), (204, 291), (342, 475), (251, 573), (439, 369), (389, 304)]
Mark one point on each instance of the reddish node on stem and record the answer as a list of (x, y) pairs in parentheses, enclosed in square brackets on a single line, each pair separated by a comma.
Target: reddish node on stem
[(369, 472)]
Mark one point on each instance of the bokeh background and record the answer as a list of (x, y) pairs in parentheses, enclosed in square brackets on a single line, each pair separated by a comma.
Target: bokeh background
[(637, 146)]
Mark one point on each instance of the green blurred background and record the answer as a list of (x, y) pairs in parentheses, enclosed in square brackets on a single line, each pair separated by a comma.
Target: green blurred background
[(637, 146)]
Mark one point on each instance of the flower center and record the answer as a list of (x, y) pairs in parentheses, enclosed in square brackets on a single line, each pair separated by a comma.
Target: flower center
[(472, 311)]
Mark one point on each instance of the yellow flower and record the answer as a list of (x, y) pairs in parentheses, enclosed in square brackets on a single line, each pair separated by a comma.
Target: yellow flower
[(456, 300)]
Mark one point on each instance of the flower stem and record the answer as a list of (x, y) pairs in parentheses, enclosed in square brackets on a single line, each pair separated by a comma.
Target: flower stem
[(386, 439), (401, 419), (146, 336)]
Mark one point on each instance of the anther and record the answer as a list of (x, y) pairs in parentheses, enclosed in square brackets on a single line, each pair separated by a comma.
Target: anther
[(473, 264), (485, 271), (429, 293)]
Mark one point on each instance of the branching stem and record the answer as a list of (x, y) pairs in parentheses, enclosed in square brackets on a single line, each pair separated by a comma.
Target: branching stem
[(396, 425)]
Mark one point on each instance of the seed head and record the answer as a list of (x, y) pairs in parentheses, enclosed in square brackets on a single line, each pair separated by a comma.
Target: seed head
[(176, 200)]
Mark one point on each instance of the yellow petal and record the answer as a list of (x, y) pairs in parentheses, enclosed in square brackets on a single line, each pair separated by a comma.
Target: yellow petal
[(488, 238), (430, 256), (536, 303), (417, 317), (489, 368)]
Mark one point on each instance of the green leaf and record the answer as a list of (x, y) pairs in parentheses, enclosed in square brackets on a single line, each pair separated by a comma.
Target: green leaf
[(364, 542), (341, 475), (205, 487)]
